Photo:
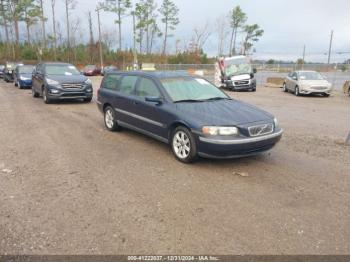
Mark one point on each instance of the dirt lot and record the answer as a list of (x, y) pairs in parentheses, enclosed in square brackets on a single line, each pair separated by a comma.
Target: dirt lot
[(68, 186)]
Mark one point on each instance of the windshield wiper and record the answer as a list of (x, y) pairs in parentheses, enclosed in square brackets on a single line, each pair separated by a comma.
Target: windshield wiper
[(188, 101), (218, 98)]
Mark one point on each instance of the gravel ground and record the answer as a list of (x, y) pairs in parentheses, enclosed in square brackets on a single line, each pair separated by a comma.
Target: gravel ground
[(68, 186)]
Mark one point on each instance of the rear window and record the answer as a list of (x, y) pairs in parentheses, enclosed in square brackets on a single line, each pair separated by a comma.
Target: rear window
[(111, 82), (127, 84)]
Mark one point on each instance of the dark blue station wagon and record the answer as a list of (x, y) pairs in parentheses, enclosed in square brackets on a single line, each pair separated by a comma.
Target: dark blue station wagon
[(189, 113)]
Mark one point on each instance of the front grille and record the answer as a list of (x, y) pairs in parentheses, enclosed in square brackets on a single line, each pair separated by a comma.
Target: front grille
[(74, 86), (260, 130), (241, 83), (319, 87)]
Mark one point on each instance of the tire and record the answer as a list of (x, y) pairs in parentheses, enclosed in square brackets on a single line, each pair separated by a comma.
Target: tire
[(349, 91), (254, 90), (15, 82), (110, 119), (45, 98), (88, 100), (296, 92), (285, 88), (326, 95), (183, 145), (34, 94)]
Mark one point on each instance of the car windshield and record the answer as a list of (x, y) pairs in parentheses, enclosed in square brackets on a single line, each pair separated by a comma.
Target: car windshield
[(310, 76), (90, 67), (67, 70), (25, 69), (191, 89), (238, 66)]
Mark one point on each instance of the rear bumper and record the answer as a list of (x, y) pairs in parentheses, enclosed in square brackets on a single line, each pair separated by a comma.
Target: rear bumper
[(237, 148), (26, 83)]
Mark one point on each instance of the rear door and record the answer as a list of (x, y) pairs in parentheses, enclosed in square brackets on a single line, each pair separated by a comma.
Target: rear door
[(124, 99)]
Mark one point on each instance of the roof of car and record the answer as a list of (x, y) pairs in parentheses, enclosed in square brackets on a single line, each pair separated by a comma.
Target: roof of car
[(156, 74)]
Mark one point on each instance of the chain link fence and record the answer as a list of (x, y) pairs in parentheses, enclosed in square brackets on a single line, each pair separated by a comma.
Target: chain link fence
[(337, 74)]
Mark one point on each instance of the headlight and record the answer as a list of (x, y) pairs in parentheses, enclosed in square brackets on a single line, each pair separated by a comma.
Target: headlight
[(275, 121), (88, 82), (52, 82), (54, 91), (219, 131)]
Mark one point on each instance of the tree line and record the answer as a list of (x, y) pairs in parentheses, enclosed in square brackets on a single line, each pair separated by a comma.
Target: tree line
[(24, 33)]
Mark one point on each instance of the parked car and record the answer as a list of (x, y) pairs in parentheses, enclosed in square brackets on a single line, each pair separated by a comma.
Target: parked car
[(22, 76), (2, 67), (307, 83), (108, 69), (91, 70), (60, 81), (9, 70), (236, 73), (189, 113)]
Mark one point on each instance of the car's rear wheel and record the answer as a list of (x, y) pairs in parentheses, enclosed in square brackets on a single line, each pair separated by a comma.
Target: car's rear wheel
[(296, 91), (110, 119), (183, 145), (285, 87)]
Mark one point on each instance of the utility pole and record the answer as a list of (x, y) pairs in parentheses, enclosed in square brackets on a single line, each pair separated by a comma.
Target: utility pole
[(134, 51), (68, 30), (303, 57), (330, 48), (99, 37)]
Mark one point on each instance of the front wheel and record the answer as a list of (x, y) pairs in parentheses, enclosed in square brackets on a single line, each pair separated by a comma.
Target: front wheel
[(183, 145), (285, 88), (34, 94), (87, 100), (296, 92), (46, 99)]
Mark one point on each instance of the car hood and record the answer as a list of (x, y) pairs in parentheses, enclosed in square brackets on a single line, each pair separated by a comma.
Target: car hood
[(68, 79), (222, 112), (315, 82)]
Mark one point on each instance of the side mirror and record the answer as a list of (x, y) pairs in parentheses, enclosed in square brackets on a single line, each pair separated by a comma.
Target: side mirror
[(156, 100), (255, 70)]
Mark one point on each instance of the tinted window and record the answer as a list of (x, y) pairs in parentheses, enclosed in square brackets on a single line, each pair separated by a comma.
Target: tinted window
[(147, 87), (111, 82), (127, 84)]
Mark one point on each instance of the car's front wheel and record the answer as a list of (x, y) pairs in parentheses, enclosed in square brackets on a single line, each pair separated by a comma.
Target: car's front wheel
[(296, 92), (45, 97), (183, 145), (285, 87), (34, 94), (111, 119)]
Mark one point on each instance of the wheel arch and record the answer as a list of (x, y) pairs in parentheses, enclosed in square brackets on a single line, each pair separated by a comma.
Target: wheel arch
[(176, 124)]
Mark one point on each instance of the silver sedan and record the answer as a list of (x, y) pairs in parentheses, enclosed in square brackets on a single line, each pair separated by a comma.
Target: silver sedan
[(307, 82)]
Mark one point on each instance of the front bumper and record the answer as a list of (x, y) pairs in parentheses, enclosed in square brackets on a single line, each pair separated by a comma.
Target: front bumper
[(241, 85), (310, 91), (237, 148), (69, 93)]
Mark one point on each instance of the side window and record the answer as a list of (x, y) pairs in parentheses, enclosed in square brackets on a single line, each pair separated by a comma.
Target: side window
[(127, 84), (147, 87), (294, 75), (111, 82)]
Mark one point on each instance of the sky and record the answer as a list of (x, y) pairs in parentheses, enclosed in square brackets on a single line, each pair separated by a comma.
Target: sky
[(288, 25)]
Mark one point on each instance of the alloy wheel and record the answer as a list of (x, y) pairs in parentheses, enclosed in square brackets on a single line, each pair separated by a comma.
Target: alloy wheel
[(181, 145), (109, 118)]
